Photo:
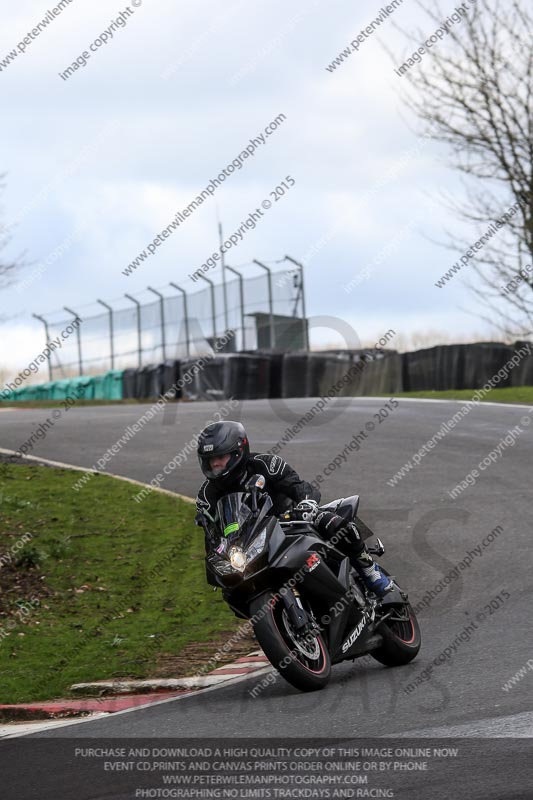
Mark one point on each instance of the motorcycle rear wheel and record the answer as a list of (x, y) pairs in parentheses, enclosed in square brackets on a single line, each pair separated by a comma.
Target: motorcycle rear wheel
[(305, 664)]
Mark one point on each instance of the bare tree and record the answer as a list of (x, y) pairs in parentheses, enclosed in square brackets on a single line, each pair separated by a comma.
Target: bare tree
[(474, 92), (8, 267)]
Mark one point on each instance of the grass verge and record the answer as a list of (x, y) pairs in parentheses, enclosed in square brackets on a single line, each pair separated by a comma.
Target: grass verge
[(513, 394), (95, 586), (78, 402)]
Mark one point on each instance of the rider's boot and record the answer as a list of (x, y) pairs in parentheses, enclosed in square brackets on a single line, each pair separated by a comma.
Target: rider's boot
[(370, 573), (347, 538)]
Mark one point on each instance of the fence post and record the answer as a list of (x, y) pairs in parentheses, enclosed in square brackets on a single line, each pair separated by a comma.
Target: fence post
[(213, 312), (139, 345), (302, 290), (223, 265), (186, 314), (47, 334), (162, 315), (241, 297), (270, 303), (111, 332), (78, 337)]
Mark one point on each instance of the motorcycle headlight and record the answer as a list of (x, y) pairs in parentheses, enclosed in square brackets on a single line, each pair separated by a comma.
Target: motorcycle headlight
[(237, 559), (257, 546)]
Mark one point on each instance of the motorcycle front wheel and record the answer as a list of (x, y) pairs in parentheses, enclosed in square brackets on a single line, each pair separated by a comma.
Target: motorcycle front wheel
[(401, 638), (303, 661)]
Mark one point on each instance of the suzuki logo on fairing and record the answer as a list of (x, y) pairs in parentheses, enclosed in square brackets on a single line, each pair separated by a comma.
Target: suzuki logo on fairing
[(353, 636)]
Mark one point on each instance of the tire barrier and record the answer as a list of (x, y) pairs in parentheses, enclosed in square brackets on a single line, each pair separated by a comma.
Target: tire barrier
[(202, 382), (275, 383), (171, 374), (149, 381), (456, 366), (482, 361), (324, 372), (451, 367), (419, 370), (313, 375), (259, 375), (247, 377), (241, 376), (382, 376), (294, 375), (129, 382), (522, 374)]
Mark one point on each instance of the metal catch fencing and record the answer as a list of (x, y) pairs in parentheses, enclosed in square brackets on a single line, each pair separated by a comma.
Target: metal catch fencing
[(265, 310)]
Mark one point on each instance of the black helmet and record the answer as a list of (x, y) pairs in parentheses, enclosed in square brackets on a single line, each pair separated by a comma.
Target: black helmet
[(218, 439)]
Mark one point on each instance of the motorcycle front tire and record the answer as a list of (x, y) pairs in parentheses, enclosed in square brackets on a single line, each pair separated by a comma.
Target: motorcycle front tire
[(301, 672)]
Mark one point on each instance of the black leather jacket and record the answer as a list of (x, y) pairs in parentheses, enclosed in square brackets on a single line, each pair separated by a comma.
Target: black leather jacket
[(283, 484)]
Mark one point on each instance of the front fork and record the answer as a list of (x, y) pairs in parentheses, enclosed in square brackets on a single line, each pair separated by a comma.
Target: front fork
[(299, 618)]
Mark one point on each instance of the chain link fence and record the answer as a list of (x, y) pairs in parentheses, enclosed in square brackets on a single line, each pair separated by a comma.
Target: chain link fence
[(265, 310)]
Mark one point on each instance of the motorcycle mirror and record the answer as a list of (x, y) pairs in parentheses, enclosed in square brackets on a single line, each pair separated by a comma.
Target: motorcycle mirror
[(256, 482)]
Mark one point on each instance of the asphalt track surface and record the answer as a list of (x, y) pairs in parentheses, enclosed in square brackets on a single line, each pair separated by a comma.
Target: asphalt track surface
[(426, 534)]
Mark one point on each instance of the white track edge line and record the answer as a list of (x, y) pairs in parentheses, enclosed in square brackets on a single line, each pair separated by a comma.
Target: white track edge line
[(112, 714)]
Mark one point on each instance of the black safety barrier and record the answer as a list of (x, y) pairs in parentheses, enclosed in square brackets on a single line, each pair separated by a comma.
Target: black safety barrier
[(434, 368), (461, 366), (323, 372), (258, 374), (242, 376), (170, 377), (382, 376), (450, 367), (129, 381), (420, 370), (275, 378), (522, 373), (149, 381), (247, 377), (202, 378), (482, 362), (294, 375), (315, 374), (275, 369)]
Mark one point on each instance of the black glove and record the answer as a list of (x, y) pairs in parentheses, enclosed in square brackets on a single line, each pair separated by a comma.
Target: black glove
[(328, 523), (345, 531)]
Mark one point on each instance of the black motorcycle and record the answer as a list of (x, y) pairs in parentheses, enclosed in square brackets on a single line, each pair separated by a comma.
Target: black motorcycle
[(308, 607)]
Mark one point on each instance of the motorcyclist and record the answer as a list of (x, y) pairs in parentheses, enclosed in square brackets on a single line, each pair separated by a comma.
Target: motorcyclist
[(227, 463)]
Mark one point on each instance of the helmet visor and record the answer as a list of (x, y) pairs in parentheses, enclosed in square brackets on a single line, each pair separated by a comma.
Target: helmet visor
[(217, 466)]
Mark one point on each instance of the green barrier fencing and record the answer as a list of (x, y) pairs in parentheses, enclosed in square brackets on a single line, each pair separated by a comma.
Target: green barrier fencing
[(108, 386), (59, 390), (82, 388), (113, 385)]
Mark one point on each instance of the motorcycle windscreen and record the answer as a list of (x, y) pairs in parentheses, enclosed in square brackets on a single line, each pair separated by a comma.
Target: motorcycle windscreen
[(233, 515)]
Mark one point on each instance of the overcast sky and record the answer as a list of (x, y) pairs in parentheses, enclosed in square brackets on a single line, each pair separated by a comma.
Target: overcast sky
[(102, 161)]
